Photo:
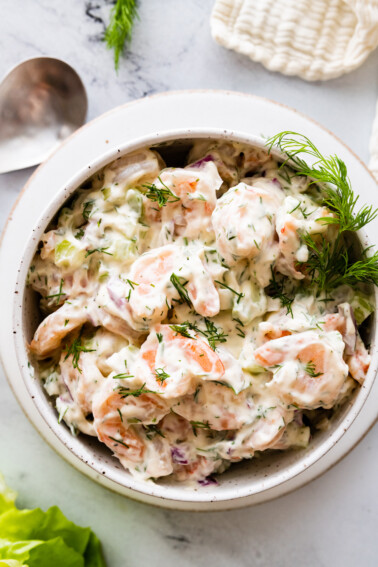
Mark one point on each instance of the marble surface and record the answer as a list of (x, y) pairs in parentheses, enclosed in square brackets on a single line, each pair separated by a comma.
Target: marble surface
[(332, 521)]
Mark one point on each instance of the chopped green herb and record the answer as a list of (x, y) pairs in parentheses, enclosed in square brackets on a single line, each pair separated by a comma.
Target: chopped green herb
[(239, 295), (124, 392), (180, 287), (310, 370), (119, 441), (101, 250), (160, 195), (59, 294), (161, 375), (74, 350)]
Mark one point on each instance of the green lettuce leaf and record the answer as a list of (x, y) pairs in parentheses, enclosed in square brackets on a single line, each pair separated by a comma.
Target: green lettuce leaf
[(33, 538)]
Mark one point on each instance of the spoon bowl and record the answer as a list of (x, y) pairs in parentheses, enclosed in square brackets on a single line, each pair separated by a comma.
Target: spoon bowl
[(42, 101)]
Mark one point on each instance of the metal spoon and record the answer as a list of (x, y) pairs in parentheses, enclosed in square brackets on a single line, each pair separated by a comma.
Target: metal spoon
[(42, 101)]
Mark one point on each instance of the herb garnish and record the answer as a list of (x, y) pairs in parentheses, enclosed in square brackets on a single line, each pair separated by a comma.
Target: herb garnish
[(122, 376), (180, 287), (119, 30), (310, 370), (331, 264), (75, 349), (239, 295), (59, 294), (161, 375), (151, 430), (88, 209), (160, 195), (124, 392), (118, 441), (101, 250), (276, 290), (213, 334)]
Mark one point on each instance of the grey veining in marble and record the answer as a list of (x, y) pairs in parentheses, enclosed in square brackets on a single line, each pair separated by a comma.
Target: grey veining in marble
[(334, 520)]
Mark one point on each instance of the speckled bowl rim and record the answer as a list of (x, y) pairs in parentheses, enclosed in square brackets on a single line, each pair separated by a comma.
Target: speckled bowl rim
[(54, 204)]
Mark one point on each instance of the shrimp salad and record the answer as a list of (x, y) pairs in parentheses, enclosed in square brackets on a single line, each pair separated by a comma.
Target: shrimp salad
[(180, 327)]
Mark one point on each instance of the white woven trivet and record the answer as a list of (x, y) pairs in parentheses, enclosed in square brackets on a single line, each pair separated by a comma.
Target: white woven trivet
[(314, 39)]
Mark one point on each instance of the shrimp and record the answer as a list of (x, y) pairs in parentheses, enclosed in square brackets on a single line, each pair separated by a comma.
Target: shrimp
[(217, 406), (292, 222), (56, 326), (357, 357), (81, 380), (122, 423), (265, 428), (192, 199), (169, 363), (187, 463), (72, 315), (308, 368), (163, 275), (244, 219), (133, 168)]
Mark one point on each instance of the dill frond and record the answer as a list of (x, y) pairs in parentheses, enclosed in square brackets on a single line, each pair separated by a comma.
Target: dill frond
[(119, 30)]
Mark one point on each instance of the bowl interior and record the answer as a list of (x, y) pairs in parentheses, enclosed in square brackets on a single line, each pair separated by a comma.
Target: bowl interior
[(248, 477)]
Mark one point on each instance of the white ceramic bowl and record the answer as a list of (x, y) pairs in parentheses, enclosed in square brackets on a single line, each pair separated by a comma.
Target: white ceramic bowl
[(147, 122)]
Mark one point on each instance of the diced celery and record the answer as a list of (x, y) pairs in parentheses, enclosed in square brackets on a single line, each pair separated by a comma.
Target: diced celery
[(251, 304), (362, 306), (106, 192), (68, 255), (135, 201)]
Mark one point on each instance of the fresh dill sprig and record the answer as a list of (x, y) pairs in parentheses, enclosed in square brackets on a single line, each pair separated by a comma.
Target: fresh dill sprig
[(331, 263), (75, 349), (152, 430), (125, 392), (122, 376), (213, 334), (330, 171), (183, 329), (310, 370), (59, 294), (88, 209), (161, 375), (239, 295), (119, 30), (119, 441), (181, 289), (276, 290), (160, 195), (100, 250)]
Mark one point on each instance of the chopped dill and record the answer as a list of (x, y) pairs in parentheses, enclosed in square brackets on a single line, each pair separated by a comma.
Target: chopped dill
[(239, 295), (160, 195), (74, 350)]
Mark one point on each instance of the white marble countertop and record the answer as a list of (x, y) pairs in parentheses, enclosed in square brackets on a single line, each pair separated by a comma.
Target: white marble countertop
[(332, 521)]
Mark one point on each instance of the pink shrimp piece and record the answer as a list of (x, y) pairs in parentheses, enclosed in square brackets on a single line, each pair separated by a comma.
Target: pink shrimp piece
[(114, 422), (169, 362), (55, 328), (192, 200), (357, 357), (268, 430), (308, 369), (359, 361), (83, 380), (243, 220), (217, 406), (153, 290)]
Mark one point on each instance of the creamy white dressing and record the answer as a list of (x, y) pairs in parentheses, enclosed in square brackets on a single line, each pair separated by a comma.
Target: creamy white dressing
[(162, 337)]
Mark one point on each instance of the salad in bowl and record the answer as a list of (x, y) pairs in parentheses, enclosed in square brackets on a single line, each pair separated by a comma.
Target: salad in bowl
[(201, 313)]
